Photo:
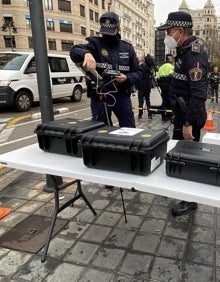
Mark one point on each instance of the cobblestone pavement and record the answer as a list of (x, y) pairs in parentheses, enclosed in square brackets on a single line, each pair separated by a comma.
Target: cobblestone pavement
[(152, 246)]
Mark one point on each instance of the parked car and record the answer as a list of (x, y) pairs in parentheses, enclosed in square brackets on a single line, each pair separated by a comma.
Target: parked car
[(18, 79)]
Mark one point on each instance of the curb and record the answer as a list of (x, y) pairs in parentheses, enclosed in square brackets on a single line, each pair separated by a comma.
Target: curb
[(55, 112)]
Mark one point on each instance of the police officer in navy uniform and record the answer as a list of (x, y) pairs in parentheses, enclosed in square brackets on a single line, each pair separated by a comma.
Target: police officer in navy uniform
[(109, 54), (188, 90)]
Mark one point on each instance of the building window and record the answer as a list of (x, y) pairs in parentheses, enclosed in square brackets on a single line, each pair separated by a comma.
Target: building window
[(91, 15), (96, 17), (103, 4), (66, 45), (52, 44), (92, 32), (30, 42), (64, 6), (83, 30), (66, 26), (48, 4), (50, 24), (91, 1), (96, 2), (27, 3), (9, 41), (82, 11), (6, 2), (28, 21)]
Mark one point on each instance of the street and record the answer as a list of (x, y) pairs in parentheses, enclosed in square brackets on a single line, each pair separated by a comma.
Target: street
[(17, 129)]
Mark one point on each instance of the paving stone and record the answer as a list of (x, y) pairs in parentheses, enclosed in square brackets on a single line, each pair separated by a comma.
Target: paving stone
[(158, 212), (127, 279), (94, 275), (200, 253), (96, 233), (3, 230), (35, 270), (59, 246), (165, 270), (13, 219), (132, 222), (30, 207), (87, 216), (217, 277), (116, 206), (162, 201), (153, 225), (136, 265), (218, 255), (203, 234), (12, 261), (195, 272), (100, 204), (46, 210), (127, 195), (146, 243), (171, 247), (65, 272), (136, 208), (108, 218), (69, 212), (120, 238), (108, 258), (177, 229), (14, 203), (44, 197), (74, 229), (81, 252), (145, 198), (29, 194), (204, 219)]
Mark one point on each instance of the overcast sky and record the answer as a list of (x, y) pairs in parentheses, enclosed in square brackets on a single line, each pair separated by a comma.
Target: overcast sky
[(163, 7)]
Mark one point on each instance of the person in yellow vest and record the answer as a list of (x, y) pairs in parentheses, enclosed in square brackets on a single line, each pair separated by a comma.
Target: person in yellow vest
[(164, 76)]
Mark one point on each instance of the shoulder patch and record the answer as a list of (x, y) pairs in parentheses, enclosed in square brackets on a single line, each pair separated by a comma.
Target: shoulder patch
[(195, 74), (195, 48)]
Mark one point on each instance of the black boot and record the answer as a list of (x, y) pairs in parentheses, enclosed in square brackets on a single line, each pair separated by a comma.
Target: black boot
[(183, 208)]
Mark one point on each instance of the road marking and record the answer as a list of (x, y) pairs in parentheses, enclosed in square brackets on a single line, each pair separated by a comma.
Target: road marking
[(18, 140), (4, 120), (15, 120), (5, 134), (2, 125)]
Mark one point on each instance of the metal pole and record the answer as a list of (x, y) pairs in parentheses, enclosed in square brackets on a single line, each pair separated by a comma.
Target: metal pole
[(9, 26), (43, 76), (40, 50)]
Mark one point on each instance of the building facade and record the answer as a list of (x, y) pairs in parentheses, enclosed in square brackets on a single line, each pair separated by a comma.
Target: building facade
[(206, 27), (69, 22)]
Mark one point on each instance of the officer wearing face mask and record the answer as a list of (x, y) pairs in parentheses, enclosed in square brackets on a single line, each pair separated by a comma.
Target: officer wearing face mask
[(115, 60), (188, 89)]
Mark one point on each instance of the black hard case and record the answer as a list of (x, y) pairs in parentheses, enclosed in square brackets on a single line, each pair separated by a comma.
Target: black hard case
[(194, 161), (137, 154), (63, 136)]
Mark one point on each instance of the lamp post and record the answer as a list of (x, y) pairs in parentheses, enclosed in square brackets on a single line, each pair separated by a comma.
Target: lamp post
[(9, 25)]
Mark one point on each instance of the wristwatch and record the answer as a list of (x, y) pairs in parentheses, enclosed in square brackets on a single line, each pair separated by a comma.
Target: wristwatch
[(186, 123)]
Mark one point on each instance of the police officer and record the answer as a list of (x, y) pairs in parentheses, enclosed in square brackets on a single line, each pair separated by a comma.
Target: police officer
[(164, 76), (214, 79), (115, 60), (188, 88), (144, 88)]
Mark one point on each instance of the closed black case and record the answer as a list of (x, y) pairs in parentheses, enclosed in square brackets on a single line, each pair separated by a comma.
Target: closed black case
[(194, 161), (129, 150), (63, 136)]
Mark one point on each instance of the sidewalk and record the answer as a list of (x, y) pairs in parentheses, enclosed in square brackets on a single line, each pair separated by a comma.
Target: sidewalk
[(151, 246)]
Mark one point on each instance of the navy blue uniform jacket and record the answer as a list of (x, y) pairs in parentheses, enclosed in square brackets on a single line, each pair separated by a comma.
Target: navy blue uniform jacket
[(119, 57)]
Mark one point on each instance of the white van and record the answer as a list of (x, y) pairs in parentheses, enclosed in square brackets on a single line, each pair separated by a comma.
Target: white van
[(18, 80)]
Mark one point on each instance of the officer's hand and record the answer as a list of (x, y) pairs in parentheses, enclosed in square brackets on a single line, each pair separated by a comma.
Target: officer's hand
[(89, 62), (121, 78), (187, 133)]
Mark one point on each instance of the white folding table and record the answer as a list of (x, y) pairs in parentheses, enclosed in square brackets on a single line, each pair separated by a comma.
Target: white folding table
[(32, 158)]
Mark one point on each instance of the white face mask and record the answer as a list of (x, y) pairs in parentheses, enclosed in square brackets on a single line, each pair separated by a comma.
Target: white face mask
[(170, 42)]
